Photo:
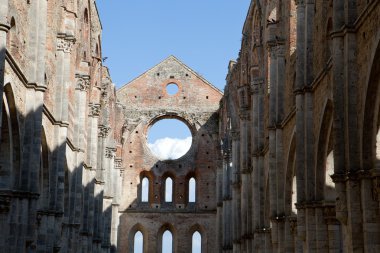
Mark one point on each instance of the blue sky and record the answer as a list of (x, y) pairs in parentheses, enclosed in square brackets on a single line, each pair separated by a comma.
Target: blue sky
[(138, 34)]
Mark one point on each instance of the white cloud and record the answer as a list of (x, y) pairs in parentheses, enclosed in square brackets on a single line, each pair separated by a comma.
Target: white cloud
[(169, 148)]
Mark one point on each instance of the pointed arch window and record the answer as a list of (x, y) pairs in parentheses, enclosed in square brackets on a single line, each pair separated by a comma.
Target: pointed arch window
[(192, 190), (138, 242), (169, 190), (167, 242), (294, 195), (330, 193), (145, 190), (196, 243)]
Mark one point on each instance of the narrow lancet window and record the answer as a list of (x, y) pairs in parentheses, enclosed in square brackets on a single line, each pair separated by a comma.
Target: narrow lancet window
[(138, 244), (168, 190), (192, 188), (196, 246), (167, 242), (145, 190)]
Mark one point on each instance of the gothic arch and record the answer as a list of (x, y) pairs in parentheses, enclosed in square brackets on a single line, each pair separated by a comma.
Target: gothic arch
[(290, 174), (198, 228), (324, 147), (10, 140), (161, 231), (164, 177), (136, 228), (371, 111), (150, 177)]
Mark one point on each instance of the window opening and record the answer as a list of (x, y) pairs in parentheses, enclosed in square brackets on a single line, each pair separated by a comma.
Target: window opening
[(169, 139), (138, 245), (196, 246), (167, 242), (192, 190), (168, 190), (172, 89), (145, 190)]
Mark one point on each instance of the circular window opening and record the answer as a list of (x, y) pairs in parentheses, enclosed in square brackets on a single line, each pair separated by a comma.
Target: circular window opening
[(172, 89), (169, 139)]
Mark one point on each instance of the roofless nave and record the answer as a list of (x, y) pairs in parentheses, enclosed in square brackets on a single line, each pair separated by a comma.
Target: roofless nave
[(286, 160)]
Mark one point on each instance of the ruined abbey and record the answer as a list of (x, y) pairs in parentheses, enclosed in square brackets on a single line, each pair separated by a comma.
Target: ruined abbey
[(285, 159)]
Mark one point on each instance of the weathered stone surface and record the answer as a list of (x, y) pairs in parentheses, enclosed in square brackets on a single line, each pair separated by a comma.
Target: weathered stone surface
[(286, 160), (146, 101)]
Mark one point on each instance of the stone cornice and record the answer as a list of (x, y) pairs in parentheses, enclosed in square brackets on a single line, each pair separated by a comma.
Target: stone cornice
[(51, 118)]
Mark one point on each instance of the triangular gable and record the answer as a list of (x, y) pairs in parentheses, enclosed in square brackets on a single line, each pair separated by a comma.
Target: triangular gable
[(171, 57)]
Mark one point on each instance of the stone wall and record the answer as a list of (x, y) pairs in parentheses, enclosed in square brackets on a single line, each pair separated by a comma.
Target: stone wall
[(58, 177), (146, 101), (307, 178)]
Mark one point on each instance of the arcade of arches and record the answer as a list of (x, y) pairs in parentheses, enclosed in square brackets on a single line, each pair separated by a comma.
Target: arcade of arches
[(287, 159)]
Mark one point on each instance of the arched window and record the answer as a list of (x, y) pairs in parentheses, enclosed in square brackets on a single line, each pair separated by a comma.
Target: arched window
[(145, 190), (196, 245), (192, 188), (138, 243), (169, 190), (294, 195), (5, 150), (330, 193), (167, 242)]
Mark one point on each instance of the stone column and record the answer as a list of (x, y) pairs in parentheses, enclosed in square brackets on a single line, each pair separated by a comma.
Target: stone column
[(280, 175), (272, 81), (108, 211), (300, 123), (236, 193), (57, 181), (289, 234), (101, 163), (311, 241), (334, 240), (322, 240), (219, 199), (244, 165), (255, 176), (227, 196), (4, 28), (5, 201), (117, 179)]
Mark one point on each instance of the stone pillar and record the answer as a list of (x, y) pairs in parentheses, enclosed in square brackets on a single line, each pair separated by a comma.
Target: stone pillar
[(101, 163), (5, 201), (334, 240), (219, 199), (89, 176), (322, 240), (236, 193), (4, 28), (244, 166), (300, 123), (227, 197), (272, 81), (290, 234), (92, 134), (255, 176), (280, 175)]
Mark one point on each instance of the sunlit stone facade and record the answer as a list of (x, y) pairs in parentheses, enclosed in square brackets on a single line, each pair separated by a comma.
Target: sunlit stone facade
[(286, 160)]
